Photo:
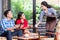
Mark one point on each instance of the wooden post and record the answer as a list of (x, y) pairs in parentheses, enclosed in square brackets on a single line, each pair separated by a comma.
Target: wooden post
[(34, 15)]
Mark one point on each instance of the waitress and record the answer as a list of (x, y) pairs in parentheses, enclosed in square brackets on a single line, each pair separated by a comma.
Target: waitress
[(50, 13)]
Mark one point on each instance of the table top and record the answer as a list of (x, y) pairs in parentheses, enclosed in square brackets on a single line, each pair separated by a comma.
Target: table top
[(47, 39), (27, 38), (32, 36)]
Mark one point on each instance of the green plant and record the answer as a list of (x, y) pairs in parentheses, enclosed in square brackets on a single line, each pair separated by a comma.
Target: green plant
[(22, 5)]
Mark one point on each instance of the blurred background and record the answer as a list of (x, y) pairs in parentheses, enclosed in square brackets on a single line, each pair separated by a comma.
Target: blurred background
[(27, 7), (31, 9)]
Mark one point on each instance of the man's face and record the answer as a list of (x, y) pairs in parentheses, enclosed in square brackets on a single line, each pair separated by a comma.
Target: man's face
[(9, 14)]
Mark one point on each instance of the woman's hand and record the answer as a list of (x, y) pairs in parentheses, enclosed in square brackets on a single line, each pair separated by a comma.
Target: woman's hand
[(37, 24)]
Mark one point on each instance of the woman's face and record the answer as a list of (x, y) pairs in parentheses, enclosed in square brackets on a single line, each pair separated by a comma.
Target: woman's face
[(43, 7), (22, 16)]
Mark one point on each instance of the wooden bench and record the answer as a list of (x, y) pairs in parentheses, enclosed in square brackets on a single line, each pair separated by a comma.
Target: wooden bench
[(4, 38)]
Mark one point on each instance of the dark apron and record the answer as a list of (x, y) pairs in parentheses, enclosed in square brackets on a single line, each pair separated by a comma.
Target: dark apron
[(51, 18), (50, 23)]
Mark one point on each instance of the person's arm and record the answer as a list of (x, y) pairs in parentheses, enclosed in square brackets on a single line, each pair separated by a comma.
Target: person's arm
[(40, 19), (16, 26), (36, 25)]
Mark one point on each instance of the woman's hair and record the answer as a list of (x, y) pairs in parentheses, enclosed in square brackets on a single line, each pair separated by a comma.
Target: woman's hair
[(45, 4), (6, 12), (19, 15)]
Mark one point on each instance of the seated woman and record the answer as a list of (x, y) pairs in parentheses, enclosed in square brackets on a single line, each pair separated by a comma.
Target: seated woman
[(21, 20)]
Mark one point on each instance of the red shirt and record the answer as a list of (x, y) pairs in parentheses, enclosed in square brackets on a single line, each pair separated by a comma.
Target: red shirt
[(25, 24)]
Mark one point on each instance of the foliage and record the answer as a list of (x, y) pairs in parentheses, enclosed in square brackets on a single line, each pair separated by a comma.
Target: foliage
[(21, 6), (26, 6)]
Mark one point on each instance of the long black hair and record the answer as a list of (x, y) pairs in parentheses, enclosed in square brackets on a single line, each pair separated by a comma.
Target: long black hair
[(19, 15), (46, 4)]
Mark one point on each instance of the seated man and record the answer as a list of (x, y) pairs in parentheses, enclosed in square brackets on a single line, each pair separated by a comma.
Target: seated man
[(9, 27)]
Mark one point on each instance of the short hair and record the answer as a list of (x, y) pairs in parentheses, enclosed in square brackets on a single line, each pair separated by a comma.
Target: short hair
[(6, 12)]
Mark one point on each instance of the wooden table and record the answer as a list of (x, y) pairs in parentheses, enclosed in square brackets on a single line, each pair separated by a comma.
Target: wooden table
[(33, 36), (28, 38)]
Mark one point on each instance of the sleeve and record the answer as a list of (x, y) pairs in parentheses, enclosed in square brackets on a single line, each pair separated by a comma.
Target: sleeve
[(53, 11), (3, 25), (50, 12), (17, 22), (41, 16)]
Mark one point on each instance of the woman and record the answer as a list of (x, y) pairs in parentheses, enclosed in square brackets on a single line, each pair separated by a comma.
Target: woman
[(50, 13), (21, 20)]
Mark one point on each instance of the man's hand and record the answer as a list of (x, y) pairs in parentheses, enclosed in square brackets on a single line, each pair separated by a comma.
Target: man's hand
[(9, 29)]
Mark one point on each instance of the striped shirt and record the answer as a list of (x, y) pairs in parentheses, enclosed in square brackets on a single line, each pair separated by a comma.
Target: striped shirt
[(5, 23)]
